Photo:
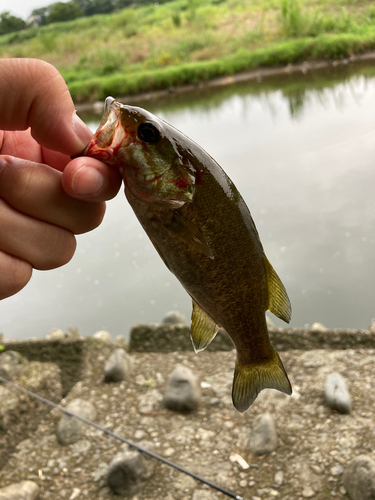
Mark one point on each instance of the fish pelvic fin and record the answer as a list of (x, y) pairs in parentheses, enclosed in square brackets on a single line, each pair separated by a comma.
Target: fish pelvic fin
[(278, 300), (250, 379), (203, 328)]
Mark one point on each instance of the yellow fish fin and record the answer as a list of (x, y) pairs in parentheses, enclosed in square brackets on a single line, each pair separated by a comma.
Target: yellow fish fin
[(278, 300), (250, 379), (188, 233), (203, 328)]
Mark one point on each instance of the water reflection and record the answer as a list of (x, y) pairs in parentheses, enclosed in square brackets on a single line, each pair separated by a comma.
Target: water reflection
[(300, 148)]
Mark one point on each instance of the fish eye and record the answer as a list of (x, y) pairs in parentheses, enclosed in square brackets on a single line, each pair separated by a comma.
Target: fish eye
[(148, 132)]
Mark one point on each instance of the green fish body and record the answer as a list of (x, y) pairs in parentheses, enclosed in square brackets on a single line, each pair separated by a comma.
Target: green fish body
[(203, 231)]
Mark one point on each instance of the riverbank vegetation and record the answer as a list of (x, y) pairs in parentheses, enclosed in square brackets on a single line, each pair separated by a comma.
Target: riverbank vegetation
[(148, 47)]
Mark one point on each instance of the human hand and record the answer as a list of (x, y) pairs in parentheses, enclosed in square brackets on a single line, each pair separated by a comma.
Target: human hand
[(45, 197)]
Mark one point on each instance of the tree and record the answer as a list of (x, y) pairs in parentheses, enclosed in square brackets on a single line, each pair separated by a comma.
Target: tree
[(40, 15), (61, 12), (9, 24), (91, 7)]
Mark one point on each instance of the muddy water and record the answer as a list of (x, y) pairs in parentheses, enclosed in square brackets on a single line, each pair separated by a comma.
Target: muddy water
[(301, 149)]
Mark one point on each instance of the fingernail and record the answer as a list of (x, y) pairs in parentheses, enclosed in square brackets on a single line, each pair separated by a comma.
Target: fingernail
[(82, 131), (87, 181)]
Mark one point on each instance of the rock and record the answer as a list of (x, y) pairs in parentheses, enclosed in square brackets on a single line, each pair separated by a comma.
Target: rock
[(10, 365), (175, 318), (103, 336), (72, 332), (336, 394), (118, 366), (25, 490), (359, 478), (126, 473), (183, 390), (308, 492), (263, 436), (372, 326), (55, 334), (318, 327), (69, 429), (120, 340), (279, 477), (337, 470)]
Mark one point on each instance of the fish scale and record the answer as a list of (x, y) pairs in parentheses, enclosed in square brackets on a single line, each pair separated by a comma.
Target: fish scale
[(203, 231)]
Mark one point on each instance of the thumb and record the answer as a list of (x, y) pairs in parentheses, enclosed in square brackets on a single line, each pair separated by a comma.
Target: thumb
[(34, 94)]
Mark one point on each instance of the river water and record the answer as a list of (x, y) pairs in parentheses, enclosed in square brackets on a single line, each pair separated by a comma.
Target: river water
[(301, 150)]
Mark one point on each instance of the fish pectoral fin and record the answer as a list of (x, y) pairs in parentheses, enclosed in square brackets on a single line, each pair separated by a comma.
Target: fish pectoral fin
[(203, 328), (278, 300), (250, 379), (188, 233)]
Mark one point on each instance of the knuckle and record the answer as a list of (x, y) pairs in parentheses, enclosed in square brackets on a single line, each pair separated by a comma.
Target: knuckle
[(21, 180)]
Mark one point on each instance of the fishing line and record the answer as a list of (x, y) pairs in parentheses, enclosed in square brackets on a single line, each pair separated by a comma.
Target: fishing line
[(126, 441)]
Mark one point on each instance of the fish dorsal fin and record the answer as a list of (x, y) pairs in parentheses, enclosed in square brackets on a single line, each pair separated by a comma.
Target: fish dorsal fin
[(203, 328), (278, 300), (188, 233)]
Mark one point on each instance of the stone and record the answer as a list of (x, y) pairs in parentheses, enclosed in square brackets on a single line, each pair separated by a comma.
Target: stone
[(318, 327), (25, 490), (118, 366), (103, 336), (371, 327), (69, 429), (279, 477), (308, 492), (183, 391), (10, 365), (263, 436), (175, 318), (120, 341), (336, 394), (359, 478), (337, 470), (126, 473), (73, 332), (55, 334)]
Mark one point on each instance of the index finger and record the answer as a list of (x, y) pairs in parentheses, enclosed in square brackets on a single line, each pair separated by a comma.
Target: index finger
[(34, 94)]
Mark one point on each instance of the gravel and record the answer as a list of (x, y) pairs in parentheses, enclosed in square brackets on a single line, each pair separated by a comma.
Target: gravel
[(314, 443)]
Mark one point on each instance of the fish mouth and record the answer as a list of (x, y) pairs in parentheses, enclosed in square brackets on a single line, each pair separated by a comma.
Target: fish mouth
[(110, 134)]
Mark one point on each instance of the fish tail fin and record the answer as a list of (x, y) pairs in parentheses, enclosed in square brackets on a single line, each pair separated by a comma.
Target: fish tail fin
[(250, 379)]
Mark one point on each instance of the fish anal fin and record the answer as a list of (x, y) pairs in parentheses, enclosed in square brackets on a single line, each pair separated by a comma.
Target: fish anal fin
[(250, 379), (203, 328), (188, 233), (278, 300)]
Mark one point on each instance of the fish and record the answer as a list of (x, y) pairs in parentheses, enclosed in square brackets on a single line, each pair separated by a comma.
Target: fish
[(203, 231)]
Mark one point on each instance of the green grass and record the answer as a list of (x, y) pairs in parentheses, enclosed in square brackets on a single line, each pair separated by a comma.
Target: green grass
[(190, 41)]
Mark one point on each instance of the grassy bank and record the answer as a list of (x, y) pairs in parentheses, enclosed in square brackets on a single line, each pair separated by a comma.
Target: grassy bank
[(190, 41)]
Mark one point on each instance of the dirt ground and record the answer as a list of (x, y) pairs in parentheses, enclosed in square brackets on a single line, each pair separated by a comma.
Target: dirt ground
[(314, 444)]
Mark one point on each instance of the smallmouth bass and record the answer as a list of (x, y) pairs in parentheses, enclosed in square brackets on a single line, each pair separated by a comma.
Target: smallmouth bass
[(203, 231)]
